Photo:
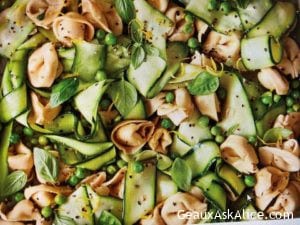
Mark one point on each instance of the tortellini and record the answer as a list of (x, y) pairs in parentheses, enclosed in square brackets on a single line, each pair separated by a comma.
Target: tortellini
[(160, 140), (290, 63), (130, 136), (160, 5), (44, 66), (177, 14), (43, 12), (43, 195), (102, 15), (208, 105), (72, 26), (42, 112), (237, 152), (273, 80), (20, 158), (180, 109), (270, 183), (285, 157), (290, 121)]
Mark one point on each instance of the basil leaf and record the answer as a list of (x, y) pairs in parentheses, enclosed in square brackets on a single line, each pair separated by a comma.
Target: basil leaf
[(108, 218), (181, 174), (63, 220), (123, 95), (138, 56), (14, 182), (46, 165), (151, 50), (204, 84), (63, 91), (136, 31), (125, 9), (274, 134)]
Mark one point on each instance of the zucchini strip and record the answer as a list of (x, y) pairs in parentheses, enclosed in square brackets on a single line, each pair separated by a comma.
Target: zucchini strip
[(277, 21), (261, 52)]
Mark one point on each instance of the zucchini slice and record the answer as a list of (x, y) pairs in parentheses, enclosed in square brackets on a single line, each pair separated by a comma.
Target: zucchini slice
[(165, 187), (139, 196), (218, 20), (212, 190), (237, 109), (254, 12), (202, 156), (277, 21), (261, 52), (100, 203), (88, 149), (15, 27), (78, 207), (89, 58)]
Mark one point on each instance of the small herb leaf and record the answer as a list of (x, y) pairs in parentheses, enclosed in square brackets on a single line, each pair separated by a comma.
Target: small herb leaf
[(63, 220), (274, 134), (136, 31), (14, 182), (125, 9), (181, 174), (204, 84), (46, 165), (151, 50), (123, 95), (138, 56), (63, 91)]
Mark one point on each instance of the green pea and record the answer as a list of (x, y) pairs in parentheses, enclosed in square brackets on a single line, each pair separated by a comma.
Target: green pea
[(60, 199), (19, 196), (212, 5), (47, 212), (104, 104), (121, 163), (216, 130), (100, 34), (252, 139), (43, 140), (166, 123), (296, 107), (111, 169), (14, 138), (110, 39), (295, 84), (295, 94), (193, 43), (219, 139), (267, 99), (138, 167), (276, 98), (225, 7), (170, 97), (28, 131), (189, 18), (289, 101), (249, 180), (188, 28), (100, 75), (290, 110), (73, 180), (80, 173), (203, 121), (34, 141)]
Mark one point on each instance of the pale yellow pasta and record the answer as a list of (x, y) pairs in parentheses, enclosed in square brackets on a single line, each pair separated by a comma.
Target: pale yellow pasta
[(43, 12), (201, 28), (200, 59), (208, 105), (44, 66), (270, 183), (237, 152), (290, 63), (290, 121), (160, 140), (153, 104), (72, 26), (160, 5), (131, 135), (20, 158), (180, 109), (154, 218), (42, 112), (271, 79)]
